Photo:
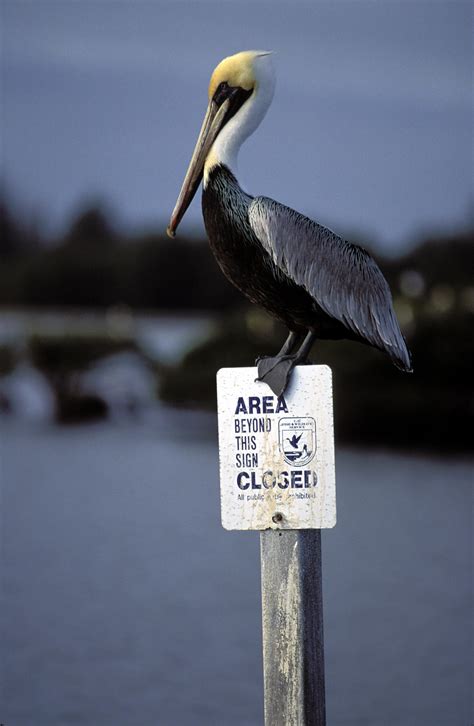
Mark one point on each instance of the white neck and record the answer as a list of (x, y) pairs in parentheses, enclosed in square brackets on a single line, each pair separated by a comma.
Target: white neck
[(226, 147)]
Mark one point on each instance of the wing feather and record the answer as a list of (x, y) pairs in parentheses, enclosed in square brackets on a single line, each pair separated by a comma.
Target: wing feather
[(343, 279)]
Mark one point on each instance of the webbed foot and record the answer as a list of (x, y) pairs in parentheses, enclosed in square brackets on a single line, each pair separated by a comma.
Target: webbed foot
[(276, 372)]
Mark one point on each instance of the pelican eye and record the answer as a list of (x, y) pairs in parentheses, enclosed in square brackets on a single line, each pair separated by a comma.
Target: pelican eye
[(223, 91), (234, 94)]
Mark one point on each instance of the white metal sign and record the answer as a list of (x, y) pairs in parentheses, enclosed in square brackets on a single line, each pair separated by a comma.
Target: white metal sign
[(276, 454)]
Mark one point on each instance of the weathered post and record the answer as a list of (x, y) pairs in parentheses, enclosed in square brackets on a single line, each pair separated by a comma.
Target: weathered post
[(292, 617), (277, 476)]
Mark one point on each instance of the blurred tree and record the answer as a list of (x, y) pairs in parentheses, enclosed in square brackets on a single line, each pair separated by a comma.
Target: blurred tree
[(178, 275), (91, 227), (15, 238), (9, 232)]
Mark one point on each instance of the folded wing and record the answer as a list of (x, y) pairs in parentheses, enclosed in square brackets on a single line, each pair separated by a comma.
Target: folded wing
[(343, 278)]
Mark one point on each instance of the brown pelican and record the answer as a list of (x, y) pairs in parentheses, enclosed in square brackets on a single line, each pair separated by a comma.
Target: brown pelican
[(317, 284)]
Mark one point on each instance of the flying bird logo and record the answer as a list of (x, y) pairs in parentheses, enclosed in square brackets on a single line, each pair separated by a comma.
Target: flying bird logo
[(294, 440), (297, 439)]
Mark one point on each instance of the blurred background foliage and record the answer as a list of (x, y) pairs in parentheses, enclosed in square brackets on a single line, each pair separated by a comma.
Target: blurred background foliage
[(93, 266)]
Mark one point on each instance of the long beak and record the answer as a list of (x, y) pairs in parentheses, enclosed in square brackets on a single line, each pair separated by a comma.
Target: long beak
[(212, 124)]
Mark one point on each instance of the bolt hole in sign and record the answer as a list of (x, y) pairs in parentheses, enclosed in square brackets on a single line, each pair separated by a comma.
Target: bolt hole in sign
[(276, 455)]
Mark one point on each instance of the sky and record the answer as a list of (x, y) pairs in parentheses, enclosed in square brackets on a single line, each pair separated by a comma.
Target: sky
[(370, 130)]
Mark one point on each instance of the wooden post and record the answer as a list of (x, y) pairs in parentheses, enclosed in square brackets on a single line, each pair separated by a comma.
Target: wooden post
[(292, 615)]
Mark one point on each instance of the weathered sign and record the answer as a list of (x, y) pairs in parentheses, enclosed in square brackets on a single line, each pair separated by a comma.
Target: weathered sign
[(276, 454)]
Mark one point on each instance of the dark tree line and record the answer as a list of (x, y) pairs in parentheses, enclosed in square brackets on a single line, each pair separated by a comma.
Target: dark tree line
[(94, 266)]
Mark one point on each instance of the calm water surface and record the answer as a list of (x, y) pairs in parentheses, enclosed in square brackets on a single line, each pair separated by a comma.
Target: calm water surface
[(126, 604)]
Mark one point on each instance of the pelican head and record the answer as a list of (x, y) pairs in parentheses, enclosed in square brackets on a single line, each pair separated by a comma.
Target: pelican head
[(240, 92)]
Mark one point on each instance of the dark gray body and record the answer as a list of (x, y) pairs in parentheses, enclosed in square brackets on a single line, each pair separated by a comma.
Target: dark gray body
[(301, 272)]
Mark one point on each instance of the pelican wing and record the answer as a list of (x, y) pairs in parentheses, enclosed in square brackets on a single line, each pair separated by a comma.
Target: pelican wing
[(343, 279)]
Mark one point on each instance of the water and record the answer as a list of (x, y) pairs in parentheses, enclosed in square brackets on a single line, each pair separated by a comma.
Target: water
[(126, 604)]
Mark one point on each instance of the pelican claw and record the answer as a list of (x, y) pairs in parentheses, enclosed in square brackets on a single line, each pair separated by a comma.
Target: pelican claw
[(276, 372)]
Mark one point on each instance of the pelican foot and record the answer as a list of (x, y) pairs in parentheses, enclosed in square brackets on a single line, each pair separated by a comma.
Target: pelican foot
[(276, 372)]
